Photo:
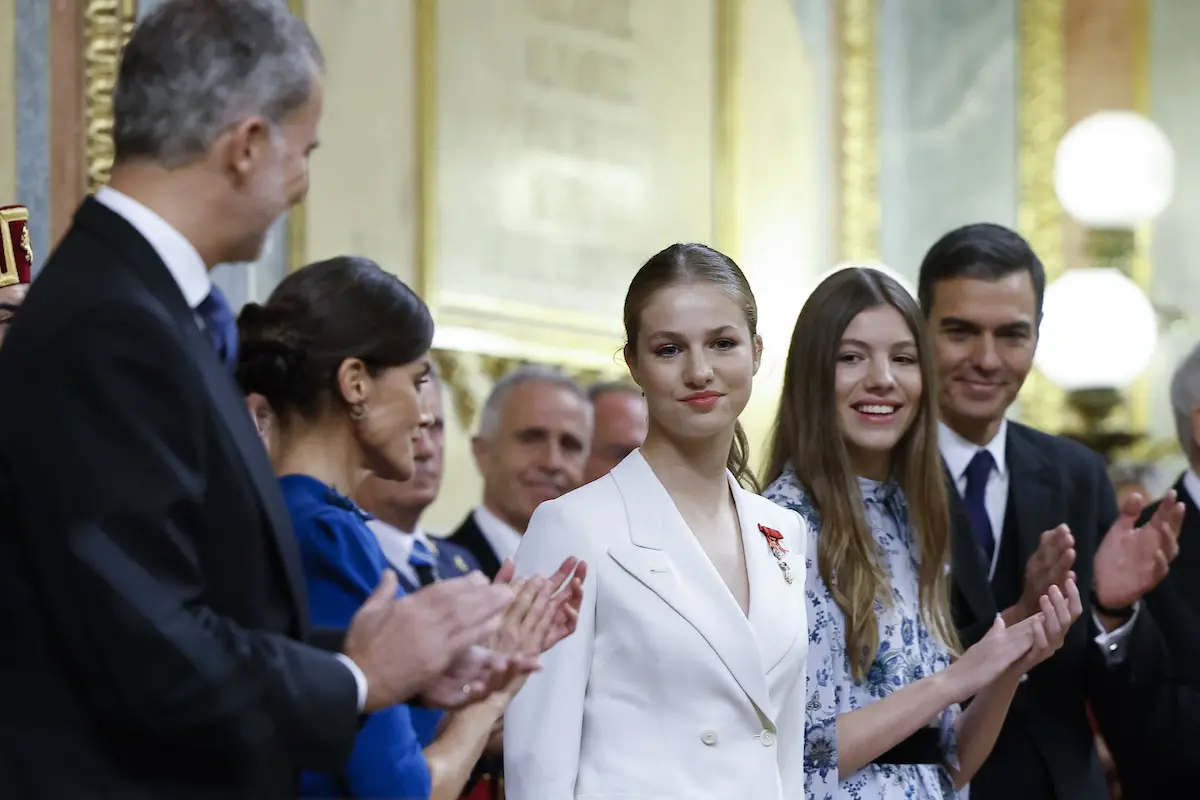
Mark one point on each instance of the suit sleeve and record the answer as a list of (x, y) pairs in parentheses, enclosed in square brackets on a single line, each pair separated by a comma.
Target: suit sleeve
[(543, 726), (116, 453)]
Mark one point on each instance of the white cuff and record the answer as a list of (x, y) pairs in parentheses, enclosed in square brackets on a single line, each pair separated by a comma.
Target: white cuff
[(359, 679), (1111, 641)]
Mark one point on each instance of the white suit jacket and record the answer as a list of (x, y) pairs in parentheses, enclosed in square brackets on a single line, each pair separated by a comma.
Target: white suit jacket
[(666, 690)]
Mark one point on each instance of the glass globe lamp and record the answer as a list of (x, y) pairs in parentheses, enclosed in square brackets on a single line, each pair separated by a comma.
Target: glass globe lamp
[(1114, 169), (1098, 330)]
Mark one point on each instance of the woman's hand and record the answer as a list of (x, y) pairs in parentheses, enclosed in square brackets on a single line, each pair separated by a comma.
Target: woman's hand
[(1018, 648), (568, 597), (522, 631), (1058, 612), (990, 657)]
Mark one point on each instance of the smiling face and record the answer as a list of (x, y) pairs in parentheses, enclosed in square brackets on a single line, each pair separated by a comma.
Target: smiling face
[(984, 334), (878, 385), (695, 359), (537, 450)]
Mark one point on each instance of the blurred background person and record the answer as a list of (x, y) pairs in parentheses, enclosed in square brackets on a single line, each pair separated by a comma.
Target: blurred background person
[(618, 427), (534, 433), (1128, 478)]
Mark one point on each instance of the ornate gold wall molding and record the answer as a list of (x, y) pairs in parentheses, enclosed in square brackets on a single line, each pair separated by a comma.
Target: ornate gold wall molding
[(1141, 268), (297, 221), (728, 196), (106, 29), (1041, 123), (858, 227), (470, 377)]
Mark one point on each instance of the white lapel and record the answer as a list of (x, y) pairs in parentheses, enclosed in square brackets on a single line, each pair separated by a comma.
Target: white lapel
[(776, 606), (664, 556)]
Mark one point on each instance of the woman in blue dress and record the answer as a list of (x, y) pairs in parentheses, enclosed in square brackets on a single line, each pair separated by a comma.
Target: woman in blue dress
[(339, 353), (855, 452)]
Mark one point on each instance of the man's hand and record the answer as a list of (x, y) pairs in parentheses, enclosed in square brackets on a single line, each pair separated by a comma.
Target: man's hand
[(402, 645), (470, 679), (1050, 565), (1131, 561)]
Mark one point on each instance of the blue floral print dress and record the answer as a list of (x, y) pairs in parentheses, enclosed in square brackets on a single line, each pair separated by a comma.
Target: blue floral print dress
[(908, 651)]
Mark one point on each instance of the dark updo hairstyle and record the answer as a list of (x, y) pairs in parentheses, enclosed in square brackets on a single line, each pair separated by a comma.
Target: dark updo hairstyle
[(682, 264), (347, 307)]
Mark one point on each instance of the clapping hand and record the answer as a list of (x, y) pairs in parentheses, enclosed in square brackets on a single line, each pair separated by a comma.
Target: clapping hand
[(405, 645), (1131, 561), (1018, 648), (1050, 565), (1059, 610), (567, 598)]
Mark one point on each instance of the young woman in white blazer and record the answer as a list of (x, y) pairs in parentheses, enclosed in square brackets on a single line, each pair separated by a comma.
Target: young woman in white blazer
[(685, 677)]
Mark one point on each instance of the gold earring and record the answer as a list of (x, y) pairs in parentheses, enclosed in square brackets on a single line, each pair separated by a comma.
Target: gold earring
[(358, 411)]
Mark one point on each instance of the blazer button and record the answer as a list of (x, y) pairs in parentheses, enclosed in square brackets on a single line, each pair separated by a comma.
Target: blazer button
[(767, 739), (709, 738)]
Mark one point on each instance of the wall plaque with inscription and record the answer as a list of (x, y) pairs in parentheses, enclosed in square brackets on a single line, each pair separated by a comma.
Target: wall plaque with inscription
[(571, 140)]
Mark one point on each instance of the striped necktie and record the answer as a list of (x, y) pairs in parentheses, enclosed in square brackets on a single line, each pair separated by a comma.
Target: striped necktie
[(423, 562)]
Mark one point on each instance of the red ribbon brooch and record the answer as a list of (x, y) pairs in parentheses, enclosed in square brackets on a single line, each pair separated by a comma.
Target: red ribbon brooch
[(775, 542)]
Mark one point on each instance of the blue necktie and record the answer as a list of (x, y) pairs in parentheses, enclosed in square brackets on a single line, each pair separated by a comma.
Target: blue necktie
[(423, 562), (220, 326), (977, 477)]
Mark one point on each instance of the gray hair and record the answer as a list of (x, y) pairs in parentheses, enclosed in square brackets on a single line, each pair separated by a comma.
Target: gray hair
[(601, 388), (1128, 473), (193, 68), (489, 418), (1185, 398)]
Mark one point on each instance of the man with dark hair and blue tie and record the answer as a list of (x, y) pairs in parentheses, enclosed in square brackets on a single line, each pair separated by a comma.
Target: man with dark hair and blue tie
[(157, 640), (1029, 510)]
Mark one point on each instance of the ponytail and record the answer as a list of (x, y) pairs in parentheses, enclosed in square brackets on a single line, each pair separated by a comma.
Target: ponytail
[(739, 460)]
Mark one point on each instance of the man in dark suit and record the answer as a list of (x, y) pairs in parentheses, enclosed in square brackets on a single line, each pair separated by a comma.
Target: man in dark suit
[(1029, 510), (532, 446), (155, 607), (1161, 752)]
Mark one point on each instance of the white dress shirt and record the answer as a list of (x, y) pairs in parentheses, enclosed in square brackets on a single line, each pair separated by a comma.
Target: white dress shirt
[(1191, 483), (397, 546), (957, 452), (180, 256), (190, 272), (501, 537)]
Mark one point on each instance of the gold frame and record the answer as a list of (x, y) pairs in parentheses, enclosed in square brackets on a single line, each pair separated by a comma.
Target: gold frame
[(1042, 124), (297, 220), (1142, 264), (107, 25), (857, 235), (7, 217), (575, 340)]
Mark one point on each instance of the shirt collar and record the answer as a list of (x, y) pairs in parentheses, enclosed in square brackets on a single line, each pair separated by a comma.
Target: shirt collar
[(503, 538), (177, 253), (958, 452), (1191, 482)]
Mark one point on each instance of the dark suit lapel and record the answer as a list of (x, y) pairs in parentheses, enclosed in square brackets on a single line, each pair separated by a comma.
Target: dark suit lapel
[(967, 565), (226, 397), (470, 538), (1034, 490)]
